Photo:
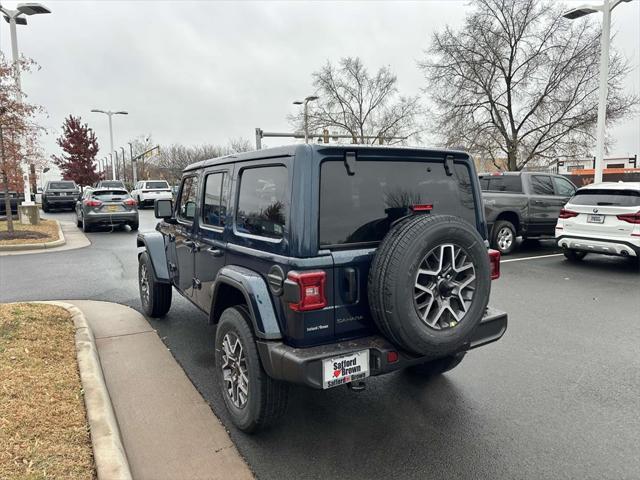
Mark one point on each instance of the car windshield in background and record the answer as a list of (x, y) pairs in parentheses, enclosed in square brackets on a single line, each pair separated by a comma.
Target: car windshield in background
[(360, 208), (501, 183), (616, 198), (62, 186), (151, 185), (110, 195)]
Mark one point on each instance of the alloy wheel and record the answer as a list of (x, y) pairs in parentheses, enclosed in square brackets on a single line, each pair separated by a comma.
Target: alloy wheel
[(234, 370), (144, 284), (505, 238)]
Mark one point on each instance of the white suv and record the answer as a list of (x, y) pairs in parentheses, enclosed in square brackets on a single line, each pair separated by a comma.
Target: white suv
[(146, 192), (601, 218)]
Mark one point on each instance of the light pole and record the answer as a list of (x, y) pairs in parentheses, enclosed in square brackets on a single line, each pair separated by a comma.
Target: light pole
[(134, 166), (124, 165), (110, 114), (305, 102), (606, 7), (16, 17)]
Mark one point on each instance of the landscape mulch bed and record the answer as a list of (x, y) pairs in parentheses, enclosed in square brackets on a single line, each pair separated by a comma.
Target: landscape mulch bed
[(43, 426), (45, 231)]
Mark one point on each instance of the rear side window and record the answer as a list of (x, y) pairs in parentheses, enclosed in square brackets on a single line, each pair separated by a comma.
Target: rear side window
[(155, 185), (564, 187), (501, 183), (541, 185), (263, 202), (606, 197), (214, 205), (187, 204), (360, 208), (62, 185)]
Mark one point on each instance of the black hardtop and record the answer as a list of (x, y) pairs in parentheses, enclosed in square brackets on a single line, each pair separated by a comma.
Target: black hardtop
[(70, 185), (326, 150)]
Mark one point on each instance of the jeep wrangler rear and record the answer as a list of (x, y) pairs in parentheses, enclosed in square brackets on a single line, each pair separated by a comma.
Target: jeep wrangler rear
[(325, 265)]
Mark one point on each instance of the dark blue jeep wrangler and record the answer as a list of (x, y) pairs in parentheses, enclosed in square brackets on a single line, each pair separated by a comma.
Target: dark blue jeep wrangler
[(324, 265)]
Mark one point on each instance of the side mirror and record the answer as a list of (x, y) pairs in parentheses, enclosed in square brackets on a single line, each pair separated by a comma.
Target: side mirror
[(163, 208)]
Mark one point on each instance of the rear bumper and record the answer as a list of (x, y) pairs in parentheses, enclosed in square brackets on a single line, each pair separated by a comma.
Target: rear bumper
[(621, 248), (111, 218), (304, 365), (148, 198), (58, 201)]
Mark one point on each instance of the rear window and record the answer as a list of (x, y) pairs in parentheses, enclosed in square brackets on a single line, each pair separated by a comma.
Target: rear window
[(62, 186), (111, 184), (617, 198), (110, 195), (360, 208), (152, 185), (501, 183)]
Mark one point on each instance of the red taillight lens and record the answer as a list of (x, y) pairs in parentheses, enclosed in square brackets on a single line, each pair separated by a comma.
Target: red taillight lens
[(422, 208), (564, 213), (494, 259), (630, 218), (92, 203), (129, 201), (311, 290)]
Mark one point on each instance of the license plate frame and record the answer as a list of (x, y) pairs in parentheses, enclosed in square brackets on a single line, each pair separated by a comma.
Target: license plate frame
[(599, 219), (112, 208), (345, 369)]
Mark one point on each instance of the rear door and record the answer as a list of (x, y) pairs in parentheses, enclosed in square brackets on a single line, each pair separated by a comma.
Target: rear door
[(357, 210), (544, 205)]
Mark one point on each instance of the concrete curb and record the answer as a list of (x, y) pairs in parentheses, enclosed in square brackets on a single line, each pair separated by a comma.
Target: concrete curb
[(108, 451), (37, 246)]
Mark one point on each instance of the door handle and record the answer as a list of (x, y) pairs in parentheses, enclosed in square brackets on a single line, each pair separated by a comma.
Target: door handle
[(216, 252), (537, 202)]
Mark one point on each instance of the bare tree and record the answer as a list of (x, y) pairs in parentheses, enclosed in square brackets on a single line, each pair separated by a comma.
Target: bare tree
[(353, 102), (518, 83)]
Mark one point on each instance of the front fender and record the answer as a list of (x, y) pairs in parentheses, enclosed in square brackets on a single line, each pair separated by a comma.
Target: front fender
[(153, 243), (257, 296)]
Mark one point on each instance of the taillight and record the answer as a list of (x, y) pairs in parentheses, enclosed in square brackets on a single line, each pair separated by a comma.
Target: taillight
[(130, 201), (494, 260), (92, 203), (630, 218), (422, 208), (564, 213), (310, 290)]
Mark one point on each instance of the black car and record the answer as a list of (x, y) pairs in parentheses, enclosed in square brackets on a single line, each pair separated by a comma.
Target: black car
[(15, 199), (60, 194), (324, 265)]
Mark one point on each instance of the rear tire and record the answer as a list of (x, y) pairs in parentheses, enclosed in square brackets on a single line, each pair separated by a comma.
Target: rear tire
[(86, 227), (45, 207), (253, 399), (78, 221), (154, 296), (503, 237), (134, 226), (439, 366), (574, 256)]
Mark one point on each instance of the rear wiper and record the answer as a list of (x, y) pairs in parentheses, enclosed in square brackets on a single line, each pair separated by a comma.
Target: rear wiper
[(603, 204)]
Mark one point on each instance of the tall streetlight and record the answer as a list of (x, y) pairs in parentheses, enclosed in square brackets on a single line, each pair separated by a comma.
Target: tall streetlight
[(606, 7), (13, 18), (110, 114), (305, 102), (124, 165)]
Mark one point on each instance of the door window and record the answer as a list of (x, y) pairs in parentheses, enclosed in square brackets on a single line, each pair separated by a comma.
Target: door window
[(263, 203), (214, 205), (564, 188), (541, 185), (187, 204)]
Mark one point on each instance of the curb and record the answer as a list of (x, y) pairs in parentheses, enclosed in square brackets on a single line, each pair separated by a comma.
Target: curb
[(37, 246), (108, 451)]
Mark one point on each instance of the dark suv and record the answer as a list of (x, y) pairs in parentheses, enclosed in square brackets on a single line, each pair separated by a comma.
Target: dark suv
[(60, 194), (323, 265)]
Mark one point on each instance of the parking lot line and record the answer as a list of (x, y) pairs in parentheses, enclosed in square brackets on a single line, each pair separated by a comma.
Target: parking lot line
[(532, 258)]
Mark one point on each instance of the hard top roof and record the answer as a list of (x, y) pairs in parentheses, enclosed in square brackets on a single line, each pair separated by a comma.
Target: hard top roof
[(612, 186)]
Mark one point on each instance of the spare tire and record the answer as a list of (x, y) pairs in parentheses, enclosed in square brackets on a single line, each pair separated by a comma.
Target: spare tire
[(429, 284)]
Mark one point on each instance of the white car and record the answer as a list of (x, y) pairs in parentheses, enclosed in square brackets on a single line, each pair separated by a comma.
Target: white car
[(601, 218), (146, 192)]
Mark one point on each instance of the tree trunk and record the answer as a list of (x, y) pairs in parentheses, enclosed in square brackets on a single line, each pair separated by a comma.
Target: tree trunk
[(512, 158), (5, 182)]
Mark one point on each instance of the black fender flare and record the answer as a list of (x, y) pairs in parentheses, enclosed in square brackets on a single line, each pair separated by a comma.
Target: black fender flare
[(153, 243), (257, 296)]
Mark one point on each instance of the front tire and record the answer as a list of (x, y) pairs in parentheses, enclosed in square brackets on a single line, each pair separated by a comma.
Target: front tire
[(154, 296), (574, 256), (439, 366), (45, 207), (503, 237), (253, 399)]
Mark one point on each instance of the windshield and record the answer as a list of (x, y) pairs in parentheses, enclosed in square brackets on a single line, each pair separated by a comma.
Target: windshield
[(62, 186), (603, 197), (110, 195), (157, 185), (361, 208)]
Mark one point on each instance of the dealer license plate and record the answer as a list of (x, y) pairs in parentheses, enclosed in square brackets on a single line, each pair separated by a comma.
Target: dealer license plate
[(112, 208), (595, 219), (345, 369)]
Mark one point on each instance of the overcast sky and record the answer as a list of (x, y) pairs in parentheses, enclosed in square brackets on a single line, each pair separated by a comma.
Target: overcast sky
[(204, 72)]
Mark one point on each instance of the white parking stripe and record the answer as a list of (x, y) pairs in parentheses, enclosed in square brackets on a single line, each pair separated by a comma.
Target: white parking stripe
[(532, 258)]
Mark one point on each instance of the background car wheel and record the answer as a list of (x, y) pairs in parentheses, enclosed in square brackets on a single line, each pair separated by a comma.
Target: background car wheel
[(429, 284), (439, 366), (140, 204), (503, 237), (154, 296), (574, 255), (78, 221), (134, 226), (253, 399), (45, 207), (85, 225)]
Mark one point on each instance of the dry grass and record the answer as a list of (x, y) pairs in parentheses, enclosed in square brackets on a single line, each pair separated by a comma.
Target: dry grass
[(48, 228), (43, 426)]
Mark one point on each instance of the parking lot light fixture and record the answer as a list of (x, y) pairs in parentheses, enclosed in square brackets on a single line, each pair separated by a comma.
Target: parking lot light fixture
[(305, 102), (110, 114), (606, 8)]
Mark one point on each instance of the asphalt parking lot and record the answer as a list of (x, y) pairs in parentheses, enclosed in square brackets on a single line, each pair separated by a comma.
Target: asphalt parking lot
[(557, 397)]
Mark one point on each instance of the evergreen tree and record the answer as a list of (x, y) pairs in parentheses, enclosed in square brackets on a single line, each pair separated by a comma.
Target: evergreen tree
[(79, 144)]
